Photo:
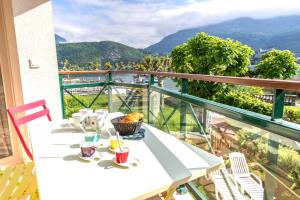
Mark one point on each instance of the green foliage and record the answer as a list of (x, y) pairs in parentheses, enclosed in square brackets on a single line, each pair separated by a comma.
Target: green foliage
[(156, 63), (289, 160), (246, 101), (247, 89), (94, 65), (173, 123), (204, 54), (83, 53), (254, 143), (249, 102), (292, 114), (72, 106), (140, 67), (107, 65), (277, 64), (67, 66)]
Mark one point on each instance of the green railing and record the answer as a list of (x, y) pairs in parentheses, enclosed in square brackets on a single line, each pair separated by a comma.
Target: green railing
[(187, 108)]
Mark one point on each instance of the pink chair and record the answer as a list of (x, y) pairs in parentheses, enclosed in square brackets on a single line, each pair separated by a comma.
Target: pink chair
[(17, 122)]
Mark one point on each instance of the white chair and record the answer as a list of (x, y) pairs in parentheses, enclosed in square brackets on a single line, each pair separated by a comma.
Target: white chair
[(248, 182), (225, 185)]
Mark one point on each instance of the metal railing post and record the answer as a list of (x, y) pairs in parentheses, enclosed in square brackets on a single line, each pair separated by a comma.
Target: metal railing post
[(277, 114), (204, 120), (150, 117), (183, 106), (278, 105), (109, 92), (62, 100)]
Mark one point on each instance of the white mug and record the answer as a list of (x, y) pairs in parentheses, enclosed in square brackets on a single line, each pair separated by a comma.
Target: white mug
[(102, 117), (101, 112), (77, 119), (86, 111)]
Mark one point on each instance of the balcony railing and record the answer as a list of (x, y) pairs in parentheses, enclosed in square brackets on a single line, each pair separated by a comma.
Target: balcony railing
[(270, 143)]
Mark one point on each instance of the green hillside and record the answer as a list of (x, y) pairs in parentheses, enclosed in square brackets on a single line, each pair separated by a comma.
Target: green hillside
[(85, 52), (279, 32)]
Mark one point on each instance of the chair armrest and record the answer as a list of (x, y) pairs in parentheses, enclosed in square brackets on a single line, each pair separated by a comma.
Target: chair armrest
[(256, 178), (229, 171), (233, 180)]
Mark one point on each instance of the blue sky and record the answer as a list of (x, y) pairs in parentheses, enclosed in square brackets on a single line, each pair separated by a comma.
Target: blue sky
[(141, 23)]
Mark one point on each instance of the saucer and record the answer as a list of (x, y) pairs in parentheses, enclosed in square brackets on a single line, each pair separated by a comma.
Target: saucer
[(131, 162), (95, 156), (136, 136)]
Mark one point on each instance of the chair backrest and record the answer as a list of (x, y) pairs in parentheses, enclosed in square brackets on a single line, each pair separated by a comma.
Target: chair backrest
[(219, 173), (239, 164), (18, 182), (25, 119)]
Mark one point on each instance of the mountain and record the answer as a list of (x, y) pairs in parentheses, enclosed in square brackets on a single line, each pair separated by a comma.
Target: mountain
[(279, 32), (59, 39), (85, 52)]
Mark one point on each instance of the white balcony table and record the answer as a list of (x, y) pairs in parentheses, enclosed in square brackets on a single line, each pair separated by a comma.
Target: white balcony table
[(165, 163)]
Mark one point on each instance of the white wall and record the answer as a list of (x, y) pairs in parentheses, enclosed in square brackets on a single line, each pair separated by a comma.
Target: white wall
[(35, 41)]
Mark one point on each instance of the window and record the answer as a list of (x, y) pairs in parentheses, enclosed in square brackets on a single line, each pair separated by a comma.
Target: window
[(5, 141)]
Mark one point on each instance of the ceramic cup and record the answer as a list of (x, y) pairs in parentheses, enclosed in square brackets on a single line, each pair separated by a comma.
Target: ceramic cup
[(86, 111), (121, 157), (101, 112), (114, 142), (102, 115), (93, 121), (87, 149), (76, 117), (90, 137)]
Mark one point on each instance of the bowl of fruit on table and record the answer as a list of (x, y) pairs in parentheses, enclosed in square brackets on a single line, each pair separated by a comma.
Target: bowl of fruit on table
[(128, 124)]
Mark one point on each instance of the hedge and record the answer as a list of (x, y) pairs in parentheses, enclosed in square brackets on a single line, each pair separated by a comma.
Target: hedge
[(249, 102)]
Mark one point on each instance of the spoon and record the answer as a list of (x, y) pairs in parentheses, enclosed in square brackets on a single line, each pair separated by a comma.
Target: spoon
[(118, 138)]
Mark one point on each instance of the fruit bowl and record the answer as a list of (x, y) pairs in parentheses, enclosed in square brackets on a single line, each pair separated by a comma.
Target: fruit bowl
[(128, 128)]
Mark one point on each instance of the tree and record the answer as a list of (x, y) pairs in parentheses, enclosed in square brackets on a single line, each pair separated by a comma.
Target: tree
[(66, 64), (211, 55), (107, 65), (120, 66), (140, 67), (277, 64), (155, 63), (94, 65)]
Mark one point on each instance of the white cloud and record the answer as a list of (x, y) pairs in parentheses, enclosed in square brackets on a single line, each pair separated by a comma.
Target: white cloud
[(141, 23)]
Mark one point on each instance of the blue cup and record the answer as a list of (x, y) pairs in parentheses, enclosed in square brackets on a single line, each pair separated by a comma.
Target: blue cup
[(91, 137)]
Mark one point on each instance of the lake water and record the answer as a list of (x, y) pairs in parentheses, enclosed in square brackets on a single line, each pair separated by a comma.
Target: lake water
[(126, 78)]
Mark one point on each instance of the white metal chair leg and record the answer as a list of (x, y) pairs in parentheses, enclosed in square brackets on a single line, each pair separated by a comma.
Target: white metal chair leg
[(217, 194)]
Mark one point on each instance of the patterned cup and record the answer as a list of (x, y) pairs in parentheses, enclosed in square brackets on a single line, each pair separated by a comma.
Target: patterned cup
[(93, 121), (87, 149)]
